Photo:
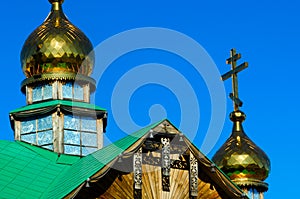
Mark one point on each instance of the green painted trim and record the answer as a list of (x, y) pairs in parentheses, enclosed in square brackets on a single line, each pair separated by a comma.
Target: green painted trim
[(56, 103)]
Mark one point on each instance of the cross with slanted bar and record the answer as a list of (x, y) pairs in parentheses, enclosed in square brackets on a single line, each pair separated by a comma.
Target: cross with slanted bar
[(233, 73)]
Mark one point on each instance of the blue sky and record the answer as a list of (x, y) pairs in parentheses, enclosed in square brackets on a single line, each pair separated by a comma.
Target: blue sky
[(267, 34)]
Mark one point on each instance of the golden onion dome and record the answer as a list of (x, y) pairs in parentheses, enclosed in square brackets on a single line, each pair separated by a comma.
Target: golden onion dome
[(242, 160), (57, 47)]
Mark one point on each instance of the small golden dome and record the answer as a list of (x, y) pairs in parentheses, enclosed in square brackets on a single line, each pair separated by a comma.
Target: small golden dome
[(242, 160), (57, 46)]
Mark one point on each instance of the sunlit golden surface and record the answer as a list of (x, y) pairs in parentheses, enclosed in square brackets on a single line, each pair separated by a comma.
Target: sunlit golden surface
[(240, 158), (57, 46)]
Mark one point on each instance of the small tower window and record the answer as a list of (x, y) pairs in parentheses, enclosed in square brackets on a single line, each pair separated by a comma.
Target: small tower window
[(80, 135), (37, 93), (38, 132), (42, 92), (78, 92), (72, 91), (47, 89), (67, 90)]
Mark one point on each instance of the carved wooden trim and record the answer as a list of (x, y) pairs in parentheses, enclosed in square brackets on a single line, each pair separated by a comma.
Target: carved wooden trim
[(166, 164), (193, 176), (137, 172)]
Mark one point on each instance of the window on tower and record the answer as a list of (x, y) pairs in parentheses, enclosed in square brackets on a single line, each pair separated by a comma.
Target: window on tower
[(38, 131), (42, 92), (80, 135), (72, 91)]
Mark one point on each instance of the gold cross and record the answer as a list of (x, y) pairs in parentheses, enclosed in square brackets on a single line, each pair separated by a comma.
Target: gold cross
[(233, 73)]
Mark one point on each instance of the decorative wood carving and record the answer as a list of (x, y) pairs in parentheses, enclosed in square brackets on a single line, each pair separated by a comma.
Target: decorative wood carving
[(137, 170), (166, 164), (193, 175)]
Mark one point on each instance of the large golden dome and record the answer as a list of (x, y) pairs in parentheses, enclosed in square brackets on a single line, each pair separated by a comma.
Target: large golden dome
[(57, 46), (242, 160)]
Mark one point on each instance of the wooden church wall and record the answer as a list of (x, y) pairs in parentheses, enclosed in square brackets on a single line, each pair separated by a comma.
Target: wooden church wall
[(120, 185)]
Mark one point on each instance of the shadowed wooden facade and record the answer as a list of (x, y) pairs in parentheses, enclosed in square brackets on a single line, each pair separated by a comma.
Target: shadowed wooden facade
[(117, 185), (188, 168)]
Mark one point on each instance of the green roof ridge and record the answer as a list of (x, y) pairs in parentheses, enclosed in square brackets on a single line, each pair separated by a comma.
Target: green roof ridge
[(92, 163), (58, 102)]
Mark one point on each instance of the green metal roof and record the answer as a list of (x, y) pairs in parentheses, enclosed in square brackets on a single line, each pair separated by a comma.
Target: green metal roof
[(32, 172), (26, 171), (56, 103)]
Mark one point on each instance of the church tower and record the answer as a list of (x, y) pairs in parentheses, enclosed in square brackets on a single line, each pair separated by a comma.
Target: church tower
[(239, 157), (57, 60), (58, 149)]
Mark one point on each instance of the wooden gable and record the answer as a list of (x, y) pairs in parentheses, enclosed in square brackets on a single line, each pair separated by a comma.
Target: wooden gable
[(163, 164)]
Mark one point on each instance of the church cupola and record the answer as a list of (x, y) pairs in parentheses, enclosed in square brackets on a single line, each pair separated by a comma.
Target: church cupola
[(55, 55), (57, 46), (57, 60), (239, 157)]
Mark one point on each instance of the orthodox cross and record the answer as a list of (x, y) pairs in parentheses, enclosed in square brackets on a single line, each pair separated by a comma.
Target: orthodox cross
[(234, 96)]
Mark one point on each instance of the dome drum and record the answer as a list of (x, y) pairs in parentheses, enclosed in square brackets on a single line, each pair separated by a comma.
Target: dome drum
[(47, 88)]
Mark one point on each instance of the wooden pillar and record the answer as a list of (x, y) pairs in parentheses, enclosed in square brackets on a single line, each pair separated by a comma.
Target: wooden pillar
[(86, 93), (261, 195), (28, 95), (17, 130), (100, 130), (59, 91), (58, 131), (55, 90)]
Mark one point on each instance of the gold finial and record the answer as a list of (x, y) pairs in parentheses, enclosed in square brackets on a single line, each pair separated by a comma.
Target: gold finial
[(233, 73), (56, 4), (53, 1), (237, 117)]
